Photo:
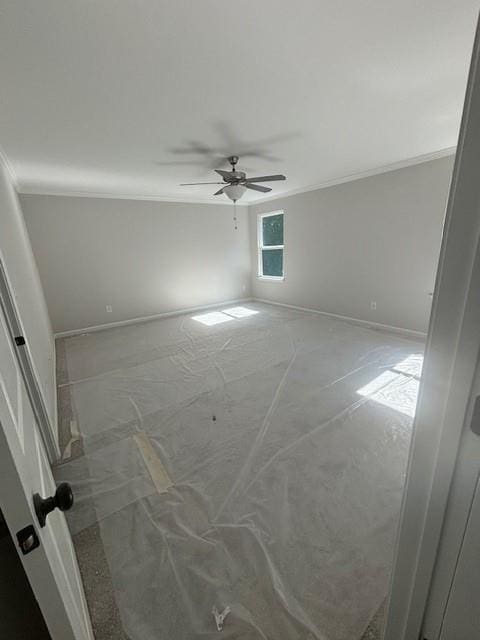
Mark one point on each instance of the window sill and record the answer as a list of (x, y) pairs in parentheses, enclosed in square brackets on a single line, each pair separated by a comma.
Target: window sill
[(271, 278)]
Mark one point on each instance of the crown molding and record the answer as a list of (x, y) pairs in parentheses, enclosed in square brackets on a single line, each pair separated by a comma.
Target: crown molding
[(40, 191), (401, 164)]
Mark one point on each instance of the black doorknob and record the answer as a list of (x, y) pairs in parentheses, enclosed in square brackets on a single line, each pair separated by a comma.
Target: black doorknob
[(63, 500)]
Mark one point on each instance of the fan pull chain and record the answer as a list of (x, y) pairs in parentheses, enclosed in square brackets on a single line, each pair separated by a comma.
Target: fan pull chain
[(235, 214)]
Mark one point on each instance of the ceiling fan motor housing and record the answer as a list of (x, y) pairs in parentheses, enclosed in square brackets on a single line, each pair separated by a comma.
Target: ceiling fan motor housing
[(236, 176)]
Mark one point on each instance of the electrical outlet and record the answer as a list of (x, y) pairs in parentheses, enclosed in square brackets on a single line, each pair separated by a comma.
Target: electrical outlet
[(373, 305), (109, 308)]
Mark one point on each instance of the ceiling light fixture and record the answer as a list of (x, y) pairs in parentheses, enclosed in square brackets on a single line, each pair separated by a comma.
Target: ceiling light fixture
[(234, 191)]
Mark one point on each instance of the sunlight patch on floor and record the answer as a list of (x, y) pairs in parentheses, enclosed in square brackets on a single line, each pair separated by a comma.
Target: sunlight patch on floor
[(217, 317), (212, 318), (240, 312), (397, 387)]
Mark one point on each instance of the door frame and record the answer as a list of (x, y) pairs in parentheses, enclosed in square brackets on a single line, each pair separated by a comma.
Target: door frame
[(49, 560), (452, 349), (37, 566), (24, 359)]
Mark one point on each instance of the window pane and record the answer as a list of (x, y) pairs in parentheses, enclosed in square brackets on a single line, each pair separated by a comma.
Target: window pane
[(272, 261), (272, 228)]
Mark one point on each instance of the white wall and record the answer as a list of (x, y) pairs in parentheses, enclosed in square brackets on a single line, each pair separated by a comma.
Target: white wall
[(140, 257), (373, 239), (19, 264)]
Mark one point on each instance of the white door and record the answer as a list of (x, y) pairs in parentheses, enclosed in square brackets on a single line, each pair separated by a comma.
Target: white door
[(462, 617), (51, 567), (434, 545), (453, 611)]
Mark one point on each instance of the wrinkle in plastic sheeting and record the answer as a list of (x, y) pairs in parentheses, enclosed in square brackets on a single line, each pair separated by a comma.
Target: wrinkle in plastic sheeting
[(256, 464)]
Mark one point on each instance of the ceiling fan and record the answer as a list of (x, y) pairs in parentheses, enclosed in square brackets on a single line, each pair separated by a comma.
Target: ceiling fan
[(235, 183)]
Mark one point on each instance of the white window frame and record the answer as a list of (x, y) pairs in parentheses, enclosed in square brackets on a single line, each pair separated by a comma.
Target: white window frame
[(261, 246)]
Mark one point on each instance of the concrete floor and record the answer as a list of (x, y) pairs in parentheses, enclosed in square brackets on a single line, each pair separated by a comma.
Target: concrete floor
[(88, 542), (375, 628), (97, 580)]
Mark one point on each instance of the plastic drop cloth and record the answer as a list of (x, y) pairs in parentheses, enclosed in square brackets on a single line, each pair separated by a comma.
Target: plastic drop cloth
[(285, 437)]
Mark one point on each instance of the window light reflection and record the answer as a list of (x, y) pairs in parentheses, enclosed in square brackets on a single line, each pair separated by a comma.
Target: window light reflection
[(218, 317), (397, 387), (240, 312), (212, 318)]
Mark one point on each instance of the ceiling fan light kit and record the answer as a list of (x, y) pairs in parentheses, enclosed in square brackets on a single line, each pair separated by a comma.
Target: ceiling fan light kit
[(234, 191)]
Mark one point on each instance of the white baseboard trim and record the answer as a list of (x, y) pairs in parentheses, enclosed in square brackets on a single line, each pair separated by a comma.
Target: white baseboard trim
[(156, 316), (409, 333)]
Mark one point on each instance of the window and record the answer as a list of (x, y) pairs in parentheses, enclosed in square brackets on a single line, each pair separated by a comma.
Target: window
[(270, 246)]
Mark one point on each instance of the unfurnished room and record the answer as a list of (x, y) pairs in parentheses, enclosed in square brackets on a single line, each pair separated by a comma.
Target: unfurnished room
[(239, 320)]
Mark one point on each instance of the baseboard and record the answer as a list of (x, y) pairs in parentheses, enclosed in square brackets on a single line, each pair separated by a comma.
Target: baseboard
[(156, 316), (408, 333)]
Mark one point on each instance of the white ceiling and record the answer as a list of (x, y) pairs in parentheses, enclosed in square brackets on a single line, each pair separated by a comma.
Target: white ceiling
[(120, 97)]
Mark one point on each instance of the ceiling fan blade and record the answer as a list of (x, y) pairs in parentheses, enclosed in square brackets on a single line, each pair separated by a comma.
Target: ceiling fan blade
[(189, 184), (217, 193), (266, 178), (224, 174), (257, 187)]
